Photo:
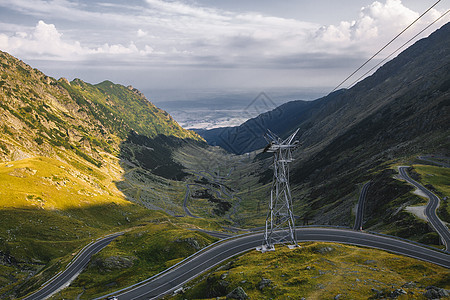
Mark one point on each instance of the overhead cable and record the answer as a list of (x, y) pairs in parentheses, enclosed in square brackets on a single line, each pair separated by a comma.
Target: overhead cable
[(398, 49), (384, 47)]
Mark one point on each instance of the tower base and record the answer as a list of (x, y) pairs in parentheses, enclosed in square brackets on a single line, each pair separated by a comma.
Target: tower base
[(293, 246), (265, 248)]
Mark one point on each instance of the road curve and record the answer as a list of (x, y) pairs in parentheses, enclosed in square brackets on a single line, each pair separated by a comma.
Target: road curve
[(360, 209), (73, 269), (186, 196), (433, 159), (430, 209), (173, 279)]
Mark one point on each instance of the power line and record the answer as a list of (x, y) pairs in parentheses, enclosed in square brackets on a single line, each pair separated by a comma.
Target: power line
[(384, 47), (362, 76)]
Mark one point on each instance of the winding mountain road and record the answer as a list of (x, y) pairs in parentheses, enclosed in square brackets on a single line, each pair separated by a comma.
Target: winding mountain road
[(72, 270), (436, 160), (360, 209), (186, 197), (172, 279), (430, 209)]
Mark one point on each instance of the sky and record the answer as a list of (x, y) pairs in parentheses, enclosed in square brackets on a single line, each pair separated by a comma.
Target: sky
[(182, 49)]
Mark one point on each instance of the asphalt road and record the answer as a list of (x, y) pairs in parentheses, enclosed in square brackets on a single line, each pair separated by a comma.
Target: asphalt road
[(436, 160), (430, 210), (360, 211), (186, 196), (200, 262), (73, 269), (173, 279)]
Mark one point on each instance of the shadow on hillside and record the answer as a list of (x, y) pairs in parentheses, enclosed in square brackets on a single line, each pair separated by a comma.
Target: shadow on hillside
[(150, 170), (152, 154), (31, 239)]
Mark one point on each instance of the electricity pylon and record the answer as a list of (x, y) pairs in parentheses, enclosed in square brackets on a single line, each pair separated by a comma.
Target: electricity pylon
[(280, 223)]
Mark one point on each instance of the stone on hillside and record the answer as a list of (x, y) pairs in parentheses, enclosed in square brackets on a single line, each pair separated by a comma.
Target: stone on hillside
[(238, 293), (114, 263), (370, 262), (409, 284), (378, 293), (398, 293), (433, 292), (264, 283), (7, 260), (22, 172), (324, 250), (191, 242)]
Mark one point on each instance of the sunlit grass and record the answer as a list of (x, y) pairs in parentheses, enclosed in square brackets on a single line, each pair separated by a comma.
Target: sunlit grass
[(320, 271), (438, 177), (47, 183)]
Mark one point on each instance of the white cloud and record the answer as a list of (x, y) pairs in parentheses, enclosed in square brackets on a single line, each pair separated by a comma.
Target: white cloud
[(185, 33), (147, 50), (117, 49), (46, 42), (179, 8), (377, 24), (141, 33), (179, 34)]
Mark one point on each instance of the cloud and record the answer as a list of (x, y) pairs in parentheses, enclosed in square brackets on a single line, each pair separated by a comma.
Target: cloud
[(181, 35), (141, 33), (377, 24), (179, 8), (46, 42)]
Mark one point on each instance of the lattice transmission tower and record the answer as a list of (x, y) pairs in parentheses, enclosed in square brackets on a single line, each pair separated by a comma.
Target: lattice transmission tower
[(280, 223)]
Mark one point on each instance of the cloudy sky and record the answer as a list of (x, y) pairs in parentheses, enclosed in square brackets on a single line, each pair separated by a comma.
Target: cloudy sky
[(168, 47)]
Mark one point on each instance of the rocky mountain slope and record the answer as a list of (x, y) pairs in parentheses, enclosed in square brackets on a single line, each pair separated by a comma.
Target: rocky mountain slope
[(412, 84), (74, 157), (44, 116), (401, 111), (74, 160), (349, 136)]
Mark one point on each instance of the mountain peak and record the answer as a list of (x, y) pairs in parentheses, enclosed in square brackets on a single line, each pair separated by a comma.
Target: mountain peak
[(41, 116), (64, 80)]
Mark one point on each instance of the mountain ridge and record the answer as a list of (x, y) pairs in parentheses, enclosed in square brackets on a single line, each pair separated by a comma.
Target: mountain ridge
[(355, 135), (327, 110), (73, 168), (52, 115)]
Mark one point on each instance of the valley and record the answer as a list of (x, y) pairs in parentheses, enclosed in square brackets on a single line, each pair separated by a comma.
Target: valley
[(81, 161)]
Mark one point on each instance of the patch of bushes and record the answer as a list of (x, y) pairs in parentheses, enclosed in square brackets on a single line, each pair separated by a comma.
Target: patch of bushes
[(39, 140), (4, 148)]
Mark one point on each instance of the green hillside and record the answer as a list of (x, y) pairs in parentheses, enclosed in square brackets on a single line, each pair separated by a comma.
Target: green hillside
[(65, 176), (355, 135), (319, 271), (79, 161)]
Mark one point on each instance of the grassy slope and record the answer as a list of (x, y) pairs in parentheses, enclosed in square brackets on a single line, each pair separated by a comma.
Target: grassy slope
[(319, 271), (39, 208), (60, 169), (50, 184), (435, 176), (155, 245), (437, 180), (123, 109), (51, 210)]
